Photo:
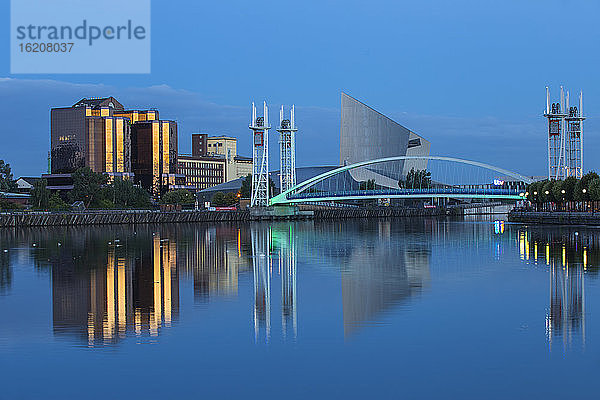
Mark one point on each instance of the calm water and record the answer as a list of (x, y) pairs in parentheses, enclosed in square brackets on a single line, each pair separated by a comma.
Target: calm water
[(357, 309)]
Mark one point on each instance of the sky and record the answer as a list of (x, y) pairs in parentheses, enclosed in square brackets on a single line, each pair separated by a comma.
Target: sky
[(469, 76)]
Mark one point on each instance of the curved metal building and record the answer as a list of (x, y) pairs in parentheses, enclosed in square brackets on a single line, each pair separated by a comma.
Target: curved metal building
[(367, 135)]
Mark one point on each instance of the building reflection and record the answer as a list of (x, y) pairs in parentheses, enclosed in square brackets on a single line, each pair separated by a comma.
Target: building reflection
[(383, 272), (131, 288), (569, 258)]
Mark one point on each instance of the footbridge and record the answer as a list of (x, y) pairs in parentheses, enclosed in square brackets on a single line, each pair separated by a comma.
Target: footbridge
[(408, 177)]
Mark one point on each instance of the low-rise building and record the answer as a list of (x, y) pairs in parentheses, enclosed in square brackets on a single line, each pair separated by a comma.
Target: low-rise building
[(223, 146), (26, 183), (201, 172)]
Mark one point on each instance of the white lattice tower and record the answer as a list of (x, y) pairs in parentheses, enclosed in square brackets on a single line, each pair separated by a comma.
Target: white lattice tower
[(287, 150), (260, 157), (555, 113), (574, 138)]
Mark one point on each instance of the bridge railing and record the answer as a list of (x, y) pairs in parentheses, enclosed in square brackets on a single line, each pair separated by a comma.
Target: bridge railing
[(397, 192)]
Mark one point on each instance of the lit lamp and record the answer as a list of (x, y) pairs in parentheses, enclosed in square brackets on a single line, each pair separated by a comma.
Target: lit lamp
[(584, 191)]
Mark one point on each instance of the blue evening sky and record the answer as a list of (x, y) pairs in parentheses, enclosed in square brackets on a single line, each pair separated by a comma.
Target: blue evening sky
[(467, 75)]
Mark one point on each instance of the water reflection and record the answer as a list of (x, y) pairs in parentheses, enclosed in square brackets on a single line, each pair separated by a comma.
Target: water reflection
[(127, 287), (111, 283), (380, 274), (569, 256)]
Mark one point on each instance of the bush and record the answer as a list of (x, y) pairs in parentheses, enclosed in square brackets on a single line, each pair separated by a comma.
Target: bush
[(178, 197), (9, 205), (55, 202), (221, 199)]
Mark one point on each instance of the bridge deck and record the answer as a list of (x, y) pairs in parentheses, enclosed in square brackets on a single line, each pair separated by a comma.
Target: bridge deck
[(383, 193)]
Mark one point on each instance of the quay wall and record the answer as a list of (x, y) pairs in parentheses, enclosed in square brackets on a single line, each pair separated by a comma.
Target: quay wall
[(162, 217), (557, 218)]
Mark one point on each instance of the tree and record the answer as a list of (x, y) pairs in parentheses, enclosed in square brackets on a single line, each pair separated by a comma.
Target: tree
[(221, 199), (534, 191), (594, 189), (547, 192), (246, 188), (55, 202), (416, 179), (367, 185), (125, 194), (40, 195), (7, 183), (87, 187), (8, 205), (582, 188), (179, 197), (568, 185)]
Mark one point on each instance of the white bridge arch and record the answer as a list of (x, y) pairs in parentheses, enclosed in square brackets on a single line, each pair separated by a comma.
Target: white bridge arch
[(294, 194)]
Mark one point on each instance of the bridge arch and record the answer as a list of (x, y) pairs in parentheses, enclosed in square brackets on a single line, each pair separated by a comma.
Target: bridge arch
[(284, 198)]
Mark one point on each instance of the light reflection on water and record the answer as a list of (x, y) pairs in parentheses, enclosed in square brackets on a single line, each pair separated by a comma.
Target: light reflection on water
[(288, 283), (567, 254)]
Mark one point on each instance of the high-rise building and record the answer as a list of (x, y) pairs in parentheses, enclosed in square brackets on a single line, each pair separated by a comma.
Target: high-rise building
[(100, 134), (91, 134), (367, 134), (154, 155)]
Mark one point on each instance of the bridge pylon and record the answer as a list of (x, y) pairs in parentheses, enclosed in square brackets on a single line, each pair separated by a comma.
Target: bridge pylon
[(287, 146), (260, 157)]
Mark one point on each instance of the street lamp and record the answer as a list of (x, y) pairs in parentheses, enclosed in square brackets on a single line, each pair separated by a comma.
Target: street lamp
[(584, 191)]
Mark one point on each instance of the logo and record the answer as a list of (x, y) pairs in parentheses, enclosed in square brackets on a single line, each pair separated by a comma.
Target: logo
[(78, 36)]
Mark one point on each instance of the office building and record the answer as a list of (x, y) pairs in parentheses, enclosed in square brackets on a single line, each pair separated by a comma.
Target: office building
[(90, 134), (367, 134), (101, 134), (199, 144), (154, 155), (201, 172), (222, 146)]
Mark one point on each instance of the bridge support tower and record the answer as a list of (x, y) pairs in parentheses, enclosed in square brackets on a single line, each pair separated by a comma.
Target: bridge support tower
[(260, 157), (565, 137), (287, 142)]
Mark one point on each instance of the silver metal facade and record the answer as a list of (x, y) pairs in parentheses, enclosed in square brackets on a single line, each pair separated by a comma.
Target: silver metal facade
[(367, 135)]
